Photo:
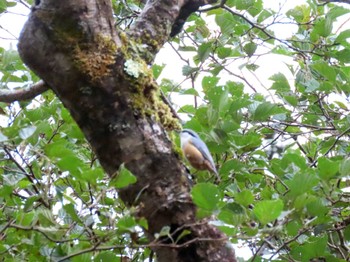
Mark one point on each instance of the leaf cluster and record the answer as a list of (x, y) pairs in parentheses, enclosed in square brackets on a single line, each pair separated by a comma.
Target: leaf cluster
[(281, 146)]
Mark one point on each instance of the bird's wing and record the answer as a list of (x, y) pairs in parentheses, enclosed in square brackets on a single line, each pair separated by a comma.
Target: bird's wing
[(202, 147)]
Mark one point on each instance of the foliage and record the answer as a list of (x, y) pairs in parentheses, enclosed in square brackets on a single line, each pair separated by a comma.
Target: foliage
[(281, 147)]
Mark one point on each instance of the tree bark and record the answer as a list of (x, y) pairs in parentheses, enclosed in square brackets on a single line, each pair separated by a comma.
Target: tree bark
[(102, 77)]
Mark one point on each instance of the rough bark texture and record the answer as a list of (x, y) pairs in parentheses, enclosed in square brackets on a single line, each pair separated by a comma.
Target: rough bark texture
[(74, 47)]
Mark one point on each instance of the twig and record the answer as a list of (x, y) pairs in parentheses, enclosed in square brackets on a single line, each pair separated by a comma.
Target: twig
[(333, 145), (37, 229), (336, 1), (288, 242), (269, 35), (37, 191), (23, 3), (9, 96), (235, 75), (221, 4), (303, 125)]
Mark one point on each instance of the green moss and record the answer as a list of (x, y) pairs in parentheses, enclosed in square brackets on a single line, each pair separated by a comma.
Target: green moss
[(177, 149), (145, 96), (153, 43), (96, 59), (147, 101)]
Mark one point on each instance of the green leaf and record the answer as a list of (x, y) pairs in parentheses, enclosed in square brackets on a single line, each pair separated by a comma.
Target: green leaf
[(325, 70), (293, 228), (317, 207), (250, 48), (212, 116), (224, 52), (224, 101), (45, 217), (106, 256), (157, 70), (190, 91), (209, 82), (26, 132), (127, 224), (343, 36), (187, 48), (204, 51), (301, 13), (265, 110), (280, 84), (327, 168), (93, 175), (247, 142), (337, 11), (12, 179), (323, 27), (73, 164), (11, 4), (344, 168), (343, 55), (71, 211), (206, 196), (254, 7), (188, 70), (226, 22), (123, 178), (244, 5), (301, 183), (315, 246), (244, 197), (183, 234), (232, 165), (3, 6), (268, 210), (265, 14), (347, 233), (233, 214), (58, 149), (189, 109)]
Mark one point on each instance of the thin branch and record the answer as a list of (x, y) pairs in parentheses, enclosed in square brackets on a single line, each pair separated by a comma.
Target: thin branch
[(28, 176), (37, 229), (337, 139), (7, 151), (302, 149), (9, 32), (169, 104), (269, 35), (336, 1), (333, 145), (221, 4), (235, 75), (286, 243), (23, 3), (8, 224), (9, 96), (96, 247), (318, 128)]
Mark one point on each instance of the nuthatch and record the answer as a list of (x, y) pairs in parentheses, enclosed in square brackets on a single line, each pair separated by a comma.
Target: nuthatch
[(197, 152)]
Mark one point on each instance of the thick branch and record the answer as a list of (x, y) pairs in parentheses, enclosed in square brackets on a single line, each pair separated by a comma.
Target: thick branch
[(159, 19), (74, 48), (9, 96)]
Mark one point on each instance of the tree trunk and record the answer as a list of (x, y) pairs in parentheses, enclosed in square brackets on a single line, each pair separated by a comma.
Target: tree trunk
[(103, 78)]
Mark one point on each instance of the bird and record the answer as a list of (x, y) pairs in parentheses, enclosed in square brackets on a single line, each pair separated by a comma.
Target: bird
[(197, 152)]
